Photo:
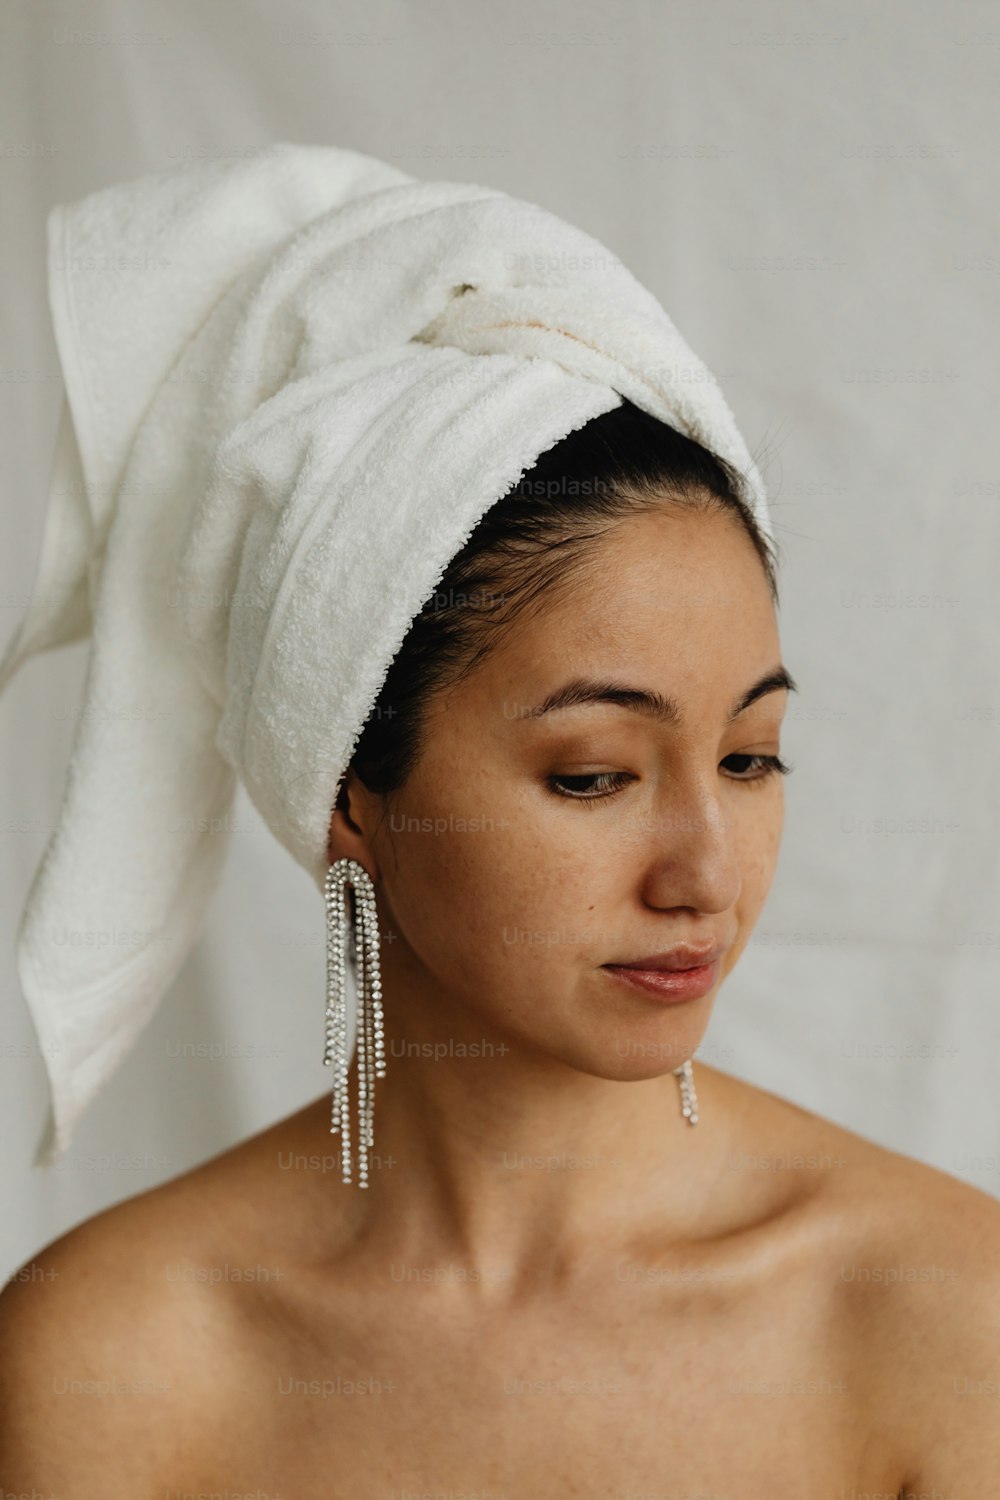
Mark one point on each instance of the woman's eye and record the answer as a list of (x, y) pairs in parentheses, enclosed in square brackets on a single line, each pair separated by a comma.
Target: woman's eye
[(765, 766), (575, 787), (595, 786)]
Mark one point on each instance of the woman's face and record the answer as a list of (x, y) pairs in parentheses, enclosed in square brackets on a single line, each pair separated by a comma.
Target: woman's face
[(506, 892)]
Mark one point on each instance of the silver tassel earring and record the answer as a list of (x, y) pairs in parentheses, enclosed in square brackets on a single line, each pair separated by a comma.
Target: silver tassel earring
[(689, 1099), (370, 1036)]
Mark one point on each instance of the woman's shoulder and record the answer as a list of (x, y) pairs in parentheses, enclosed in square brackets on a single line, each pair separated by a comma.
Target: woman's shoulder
[(912, 1254), (874, 1200), (97, 1350), (195, 1230), (118, 1329), (923, 1279)]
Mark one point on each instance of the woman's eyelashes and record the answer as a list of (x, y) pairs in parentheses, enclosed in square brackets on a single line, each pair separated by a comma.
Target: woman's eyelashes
[(603, 784), (765, 766), (607, 781)]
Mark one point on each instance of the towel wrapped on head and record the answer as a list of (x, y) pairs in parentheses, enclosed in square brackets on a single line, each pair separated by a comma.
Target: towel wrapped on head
[(294, 383)]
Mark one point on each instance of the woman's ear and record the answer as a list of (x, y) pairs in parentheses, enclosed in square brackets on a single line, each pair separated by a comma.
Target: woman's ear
[(346, 838)]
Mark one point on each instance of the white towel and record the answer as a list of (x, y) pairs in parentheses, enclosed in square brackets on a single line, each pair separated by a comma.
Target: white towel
[(293, 385)]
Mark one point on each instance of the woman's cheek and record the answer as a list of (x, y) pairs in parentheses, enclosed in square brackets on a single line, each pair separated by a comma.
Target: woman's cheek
[(759, 848)]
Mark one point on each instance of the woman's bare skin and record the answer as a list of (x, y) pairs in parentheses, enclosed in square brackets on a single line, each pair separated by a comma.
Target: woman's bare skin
[(763, 1305), (772, 1355)]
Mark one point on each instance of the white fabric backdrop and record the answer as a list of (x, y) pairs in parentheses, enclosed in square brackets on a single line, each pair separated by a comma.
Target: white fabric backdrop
[(813, 194)]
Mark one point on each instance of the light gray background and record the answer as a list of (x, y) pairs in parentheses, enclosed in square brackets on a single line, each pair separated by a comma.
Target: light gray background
[(812, 193)]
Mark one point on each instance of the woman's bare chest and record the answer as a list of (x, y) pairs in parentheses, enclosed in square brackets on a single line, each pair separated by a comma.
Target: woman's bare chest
[(742, 1401)]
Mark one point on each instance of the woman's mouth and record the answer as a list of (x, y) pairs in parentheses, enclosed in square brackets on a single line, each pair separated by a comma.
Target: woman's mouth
[(669, 985)]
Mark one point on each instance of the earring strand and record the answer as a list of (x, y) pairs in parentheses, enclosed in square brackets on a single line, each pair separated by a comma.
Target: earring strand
[(369, 1034)]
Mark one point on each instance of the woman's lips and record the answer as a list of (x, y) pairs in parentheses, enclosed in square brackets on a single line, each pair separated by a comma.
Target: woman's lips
[(669, 985)]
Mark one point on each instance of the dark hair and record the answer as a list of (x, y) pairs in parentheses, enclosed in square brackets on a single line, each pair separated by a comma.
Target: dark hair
[(531, 544)]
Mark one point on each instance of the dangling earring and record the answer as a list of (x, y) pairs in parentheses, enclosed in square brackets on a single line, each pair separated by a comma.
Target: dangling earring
[(370, 1038), (689, 1099)]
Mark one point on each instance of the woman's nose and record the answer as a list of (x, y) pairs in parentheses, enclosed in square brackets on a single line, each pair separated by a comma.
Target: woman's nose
[(691, 852)]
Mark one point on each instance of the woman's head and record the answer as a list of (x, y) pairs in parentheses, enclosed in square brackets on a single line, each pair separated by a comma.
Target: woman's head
[(516, 852)]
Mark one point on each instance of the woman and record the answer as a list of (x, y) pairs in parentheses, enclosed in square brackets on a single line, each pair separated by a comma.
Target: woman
[(553, 1285)]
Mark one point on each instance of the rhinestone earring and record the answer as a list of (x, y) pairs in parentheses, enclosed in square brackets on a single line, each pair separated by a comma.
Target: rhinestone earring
[(370, 1037), (689, 1099)]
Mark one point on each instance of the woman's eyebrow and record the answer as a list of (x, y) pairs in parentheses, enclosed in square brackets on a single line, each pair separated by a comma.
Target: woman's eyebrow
[(653, 705)]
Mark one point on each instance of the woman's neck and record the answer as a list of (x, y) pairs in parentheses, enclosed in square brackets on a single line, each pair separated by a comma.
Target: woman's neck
[(490, 1162)]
